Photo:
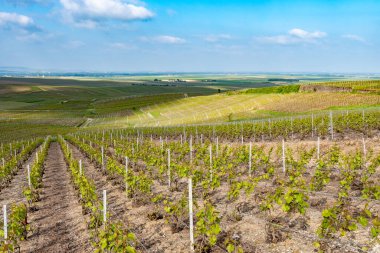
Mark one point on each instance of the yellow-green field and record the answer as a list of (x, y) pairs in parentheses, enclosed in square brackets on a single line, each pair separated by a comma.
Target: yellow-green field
[(224, 107)]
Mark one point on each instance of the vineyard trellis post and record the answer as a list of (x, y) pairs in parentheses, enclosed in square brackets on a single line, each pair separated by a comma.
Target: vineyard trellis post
[(104, 207), (29, 179), (191, 222), (80, 167), (5, 222)]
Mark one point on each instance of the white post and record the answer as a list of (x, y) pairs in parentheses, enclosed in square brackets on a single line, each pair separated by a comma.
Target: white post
[(29, 179), (3, 162), (126, 175), (181, 139), (169, 182), (80, 167), (318, 147), (37, 156), (191, 225), (331, 126), (104, 207), (242, 140), (250, 159), (162, 144), (283, 156), (312, 125), (5, 222)]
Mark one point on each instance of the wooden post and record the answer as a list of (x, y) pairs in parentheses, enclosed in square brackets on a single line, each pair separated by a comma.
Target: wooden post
[(191, 225), (283, 156)]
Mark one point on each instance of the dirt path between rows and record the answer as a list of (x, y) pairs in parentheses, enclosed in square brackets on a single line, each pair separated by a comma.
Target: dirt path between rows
[(13, 192), (58, 225), (154, 235)]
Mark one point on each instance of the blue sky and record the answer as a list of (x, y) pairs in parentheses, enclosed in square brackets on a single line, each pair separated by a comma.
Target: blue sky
[(191, 36)]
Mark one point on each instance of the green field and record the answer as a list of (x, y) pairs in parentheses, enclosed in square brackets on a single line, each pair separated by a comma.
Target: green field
[(163, 100)]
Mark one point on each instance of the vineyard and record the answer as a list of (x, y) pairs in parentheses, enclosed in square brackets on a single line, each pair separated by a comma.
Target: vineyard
[(297, 184)]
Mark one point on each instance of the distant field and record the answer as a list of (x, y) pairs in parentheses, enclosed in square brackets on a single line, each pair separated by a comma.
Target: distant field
[(172, 100), (223, 107)]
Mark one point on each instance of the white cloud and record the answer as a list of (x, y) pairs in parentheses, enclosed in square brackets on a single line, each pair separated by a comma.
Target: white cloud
[(217, 37), (14, 19), (354, 38), (166, 39), (121, 46), (302, 34), (22, 26), (294, 36), (88, 13)]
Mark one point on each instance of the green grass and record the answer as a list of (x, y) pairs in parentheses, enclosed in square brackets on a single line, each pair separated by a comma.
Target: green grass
[(277, 89), (17, 130)]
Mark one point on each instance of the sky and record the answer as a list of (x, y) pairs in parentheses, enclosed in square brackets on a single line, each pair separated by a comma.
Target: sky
[(334, 36)]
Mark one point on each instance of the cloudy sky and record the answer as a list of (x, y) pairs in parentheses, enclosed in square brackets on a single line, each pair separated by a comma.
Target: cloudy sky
[(191, 35)]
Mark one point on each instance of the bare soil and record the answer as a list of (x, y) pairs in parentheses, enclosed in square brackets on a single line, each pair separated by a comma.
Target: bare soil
[(13, 192), (58, 224), (153, 235)]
